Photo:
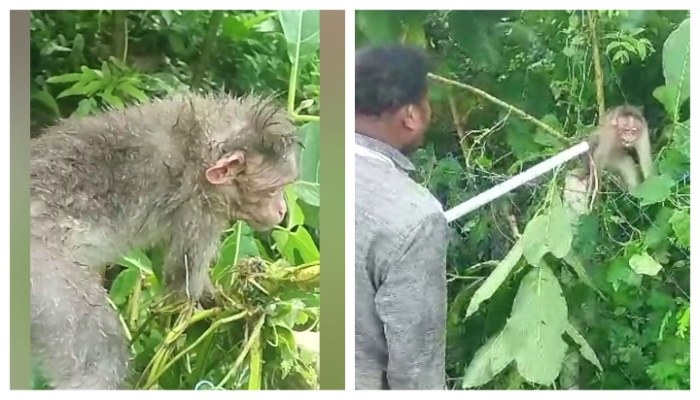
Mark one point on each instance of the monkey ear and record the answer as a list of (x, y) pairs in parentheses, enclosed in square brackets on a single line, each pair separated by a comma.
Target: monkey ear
[(226, 168)]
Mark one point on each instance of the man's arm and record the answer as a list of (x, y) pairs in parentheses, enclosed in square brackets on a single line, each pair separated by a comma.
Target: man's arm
[(412, 304)]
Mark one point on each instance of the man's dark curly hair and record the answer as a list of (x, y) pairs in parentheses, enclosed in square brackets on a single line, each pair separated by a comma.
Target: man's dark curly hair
[(389, 77)]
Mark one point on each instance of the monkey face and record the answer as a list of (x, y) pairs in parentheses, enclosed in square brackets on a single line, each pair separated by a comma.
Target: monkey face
[(253, 187), (628, 129)]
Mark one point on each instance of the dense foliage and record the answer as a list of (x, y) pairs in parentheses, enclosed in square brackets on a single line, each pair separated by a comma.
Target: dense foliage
[(541, 298), (266, 335)]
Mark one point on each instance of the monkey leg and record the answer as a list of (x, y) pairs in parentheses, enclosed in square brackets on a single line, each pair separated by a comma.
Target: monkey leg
[(627, 169), (75, 335)]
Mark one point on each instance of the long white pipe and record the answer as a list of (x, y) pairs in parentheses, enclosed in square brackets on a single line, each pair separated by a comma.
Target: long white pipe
[(516, 181)]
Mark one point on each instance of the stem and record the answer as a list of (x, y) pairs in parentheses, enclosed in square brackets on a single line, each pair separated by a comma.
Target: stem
[(253, 338), (207, 46), (522, 114), (600, 95), (154, 378), (119, 34), (458, 127)]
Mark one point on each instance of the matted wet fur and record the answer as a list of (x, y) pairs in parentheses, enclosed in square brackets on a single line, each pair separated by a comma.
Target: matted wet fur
[(176, 171)]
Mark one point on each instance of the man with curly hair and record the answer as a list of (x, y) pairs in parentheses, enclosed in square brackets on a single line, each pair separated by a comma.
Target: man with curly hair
[(401, 233)]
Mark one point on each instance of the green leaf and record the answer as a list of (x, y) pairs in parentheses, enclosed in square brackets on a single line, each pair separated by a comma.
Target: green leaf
[(48, 100), (534, 242), (680, 221), (654, 190), (575, 264), (309, 160), (496, 278), (644, 264), (378, 26), (309, 192), (585, 349), (302, 30), (475, 33), (302, 242), (559, 231), (124, 284), (136, 259), (132, 91), (238, 245), (85, 107), (534, 330), (489, 361), (619, 272), (65, 78), (676, 61)]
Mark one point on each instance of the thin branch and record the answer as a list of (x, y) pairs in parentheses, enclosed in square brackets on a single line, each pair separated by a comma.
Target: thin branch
[(522, 114)]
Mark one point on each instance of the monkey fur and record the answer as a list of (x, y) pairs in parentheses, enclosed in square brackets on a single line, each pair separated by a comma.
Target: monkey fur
[(622, 129), (175, 171)]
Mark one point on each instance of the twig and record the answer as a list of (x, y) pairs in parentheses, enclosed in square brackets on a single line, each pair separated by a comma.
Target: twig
[(600, 95), (522, 114)]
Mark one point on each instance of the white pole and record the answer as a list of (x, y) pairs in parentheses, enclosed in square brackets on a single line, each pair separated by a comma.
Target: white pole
[(516, 181)]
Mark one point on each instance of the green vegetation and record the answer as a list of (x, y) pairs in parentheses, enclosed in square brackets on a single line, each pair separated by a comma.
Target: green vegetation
[(540, 299), (84, 61)]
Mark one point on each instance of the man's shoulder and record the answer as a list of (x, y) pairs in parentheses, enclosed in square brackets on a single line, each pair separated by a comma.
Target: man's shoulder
[(391, 198)]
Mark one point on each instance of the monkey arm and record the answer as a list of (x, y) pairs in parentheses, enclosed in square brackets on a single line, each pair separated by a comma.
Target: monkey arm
[(627, 169), (643, 149), (193, 246), (411, 302)]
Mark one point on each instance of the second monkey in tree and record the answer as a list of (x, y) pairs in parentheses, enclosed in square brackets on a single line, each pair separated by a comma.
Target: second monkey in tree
[(623, 129)]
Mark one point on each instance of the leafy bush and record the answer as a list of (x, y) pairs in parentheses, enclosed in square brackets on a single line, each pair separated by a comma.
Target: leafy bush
[(266, 336), (533, 288)]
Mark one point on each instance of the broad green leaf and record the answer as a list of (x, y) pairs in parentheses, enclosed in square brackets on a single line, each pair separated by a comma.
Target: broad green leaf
[(415, 33), (534, 241), (581, 272), (559, 231), (309, 161), (302, 30), (302, 242), (137, 259), (48, 100), (534, 330), (676, 61), (618, 272), (86, 107), (234, 28), (124, 284), (65, 78), (128, 88), (658, 233), (680, 221), (238, 245), (644, 264), (585, 349), (488, 362), (309, 192), (113, 101), (378, 26), (654, 190), (539, 302), (539, 359), (312, 215), (496, 278), (294, 212), (475, 33)]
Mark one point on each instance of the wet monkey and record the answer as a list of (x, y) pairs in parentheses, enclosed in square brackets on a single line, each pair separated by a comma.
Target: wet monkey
[(176, 171), (622, 130)]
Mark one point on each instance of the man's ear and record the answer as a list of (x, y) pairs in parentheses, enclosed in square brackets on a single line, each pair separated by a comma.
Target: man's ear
[(411, 117), (226, 168)]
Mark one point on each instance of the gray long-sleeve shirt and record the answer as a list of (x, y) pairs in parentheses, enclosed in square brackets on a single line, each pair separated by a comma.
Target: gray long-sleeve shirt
[(400, 278)]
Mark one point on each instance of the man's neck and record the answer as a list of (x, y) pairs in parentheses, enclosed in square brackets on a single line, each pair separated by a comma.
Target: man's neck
[(377, 130)]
